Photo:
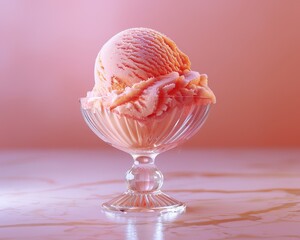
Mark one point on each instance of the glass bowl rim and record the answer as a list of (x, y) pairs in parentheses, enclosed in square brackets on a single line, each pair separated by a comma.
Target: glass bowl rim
[(172, 97)]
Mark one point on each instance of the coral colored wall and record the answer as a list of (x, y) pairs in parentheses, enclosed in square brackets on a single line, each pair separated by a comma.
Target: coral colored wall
[(250, 50)]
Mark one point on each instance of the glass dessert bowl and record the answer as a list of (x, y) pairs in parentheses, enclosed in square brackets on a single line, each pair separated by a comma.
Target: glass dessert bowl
[(144, 139)]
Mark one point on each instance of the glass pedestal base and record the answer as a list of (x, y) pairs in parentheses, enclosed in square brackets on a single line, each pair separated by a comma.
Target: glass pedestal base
[(144, 139), (131, 201)]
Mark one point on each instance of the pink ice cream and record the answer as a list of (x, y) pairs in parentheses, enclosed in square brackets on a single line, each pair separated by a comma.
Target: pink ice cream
[(140, 73)]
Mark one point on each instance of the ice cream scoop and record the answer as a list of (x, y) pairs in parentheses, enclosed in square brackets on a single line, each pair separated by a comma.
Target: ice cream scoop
[(146, 100), (135, 55), (141, 73)]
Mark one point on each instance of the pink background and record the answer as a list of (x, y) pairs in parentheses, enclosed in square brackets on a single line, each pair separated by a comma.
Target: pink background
[(250, 50)]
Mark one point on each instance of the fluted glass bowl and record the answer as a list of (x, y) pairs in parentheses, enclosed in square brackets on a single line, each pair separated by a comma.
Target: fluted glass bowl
[(144, 139)]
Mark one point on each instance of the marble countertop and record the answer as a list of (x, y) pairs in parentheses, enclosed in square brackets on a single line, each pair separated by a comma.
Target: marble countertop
[(230, 194)]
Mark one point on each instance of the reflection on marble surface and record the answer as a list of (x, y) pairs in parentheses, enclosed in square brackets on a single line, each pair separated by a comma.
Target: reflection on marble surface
[(230, 195)]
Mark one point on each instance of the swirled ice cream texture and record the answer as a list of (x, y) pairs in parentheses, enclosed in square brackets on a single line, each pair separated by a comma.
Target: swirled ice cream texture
[(141, 73)]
